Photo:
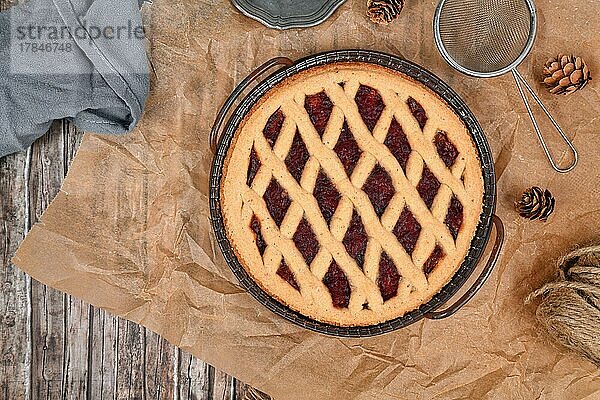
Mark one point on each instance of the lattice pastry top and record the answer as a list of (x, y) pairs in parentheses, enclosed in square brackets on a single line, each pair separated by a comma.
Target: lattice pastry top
[(351, 193)]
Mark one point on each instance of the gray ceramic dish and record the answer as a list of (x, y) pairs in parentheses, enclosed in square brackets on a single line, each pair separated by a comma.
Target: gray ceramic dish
[(286, 14)]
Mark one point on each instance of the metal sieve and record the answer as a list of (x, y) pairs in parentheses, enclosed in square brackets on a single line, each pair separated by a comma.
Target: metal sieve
[(488, 38)]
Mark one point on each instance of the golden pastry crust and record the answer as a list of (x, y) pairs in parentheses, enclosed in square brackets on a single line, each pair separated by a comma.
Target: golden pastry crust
[(241, 203)]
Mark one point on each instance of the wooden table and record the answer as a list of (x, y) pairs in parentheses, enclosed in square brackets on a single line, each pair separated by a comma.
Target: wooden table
[(54, 346)]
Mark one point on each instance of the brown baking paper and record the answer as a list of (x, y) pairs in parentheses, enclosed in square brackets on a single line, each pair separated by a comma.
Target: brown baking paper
[(130, 232)]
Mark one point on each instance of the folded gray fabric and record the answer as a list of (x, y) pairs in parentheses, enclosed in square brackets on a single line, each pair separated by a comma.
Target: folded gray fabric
[(83, 60)]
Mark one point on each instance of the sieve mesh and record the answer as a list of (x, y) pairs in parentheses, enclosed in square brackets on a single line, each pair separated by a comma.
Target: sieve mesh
[(485, 36)]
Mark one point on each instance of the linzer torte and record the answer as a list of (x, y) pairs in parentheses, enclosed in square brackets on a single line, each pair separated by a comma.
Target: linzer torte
[(351, 193)]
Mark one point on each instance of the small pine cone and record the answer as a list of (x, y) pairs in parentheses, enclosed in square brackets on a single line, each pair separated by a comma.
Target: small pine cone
[(535, 204), (384, 11), (566, 74)]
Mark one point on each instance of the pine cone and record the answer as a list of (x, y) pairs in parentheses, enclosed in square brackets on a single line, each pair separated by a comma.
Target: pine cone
[(535, 204), (384, 11), (566, 74)]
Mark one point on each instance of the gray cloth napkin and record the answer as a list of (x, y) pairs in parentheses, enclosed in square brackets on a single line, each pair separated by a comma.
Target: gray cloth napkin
[(83, 60)]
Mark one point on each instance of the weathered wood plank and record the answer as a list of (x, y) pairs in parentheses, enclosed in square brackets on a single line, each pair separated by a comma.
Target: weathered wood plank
[(130, 381), (93, 333), (245, 392), (145, 364), (195, 378), (60, 325), (48, 305), (223, 386), (76, 352), (77, 313), (102, 349), (15, 305), (160, 368), (15, 351)]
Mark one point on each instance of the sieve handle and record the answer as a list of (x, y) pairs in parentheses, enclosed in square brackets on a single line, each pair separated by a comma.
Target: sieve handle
[(487, 270), (521, 81), (215, 132)]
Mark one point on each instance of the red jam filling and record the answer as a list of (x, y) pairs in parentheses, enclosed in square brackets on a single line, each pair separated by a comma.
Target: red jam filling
[(379, 189), (355, 240), (347, 149), (306, 241), (287, 275), (388, 277), (417, 111), (297, 157), (319, 108), (326, 195), (454, 218), (445, 148), (273, 127), (258, 237), (407, 230), (253, 167), (436, 256), (338, 286), (370, 105), (277, 201), (397, 142), (428, 186)]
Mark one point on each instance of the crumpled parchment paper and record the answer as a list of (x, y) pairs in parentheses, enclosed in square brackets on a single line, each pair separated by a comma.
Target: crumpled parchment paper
[(130, 229)]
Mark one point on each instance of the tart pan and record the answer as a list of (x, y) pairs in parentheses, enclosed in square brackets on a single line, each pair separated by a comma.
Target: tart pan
[(288, 68)]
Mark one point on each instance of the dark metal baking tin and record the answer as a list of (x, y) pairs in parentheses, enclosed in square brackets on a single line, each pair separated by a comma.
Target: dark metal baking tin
[(478, 243), (287, 14)]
